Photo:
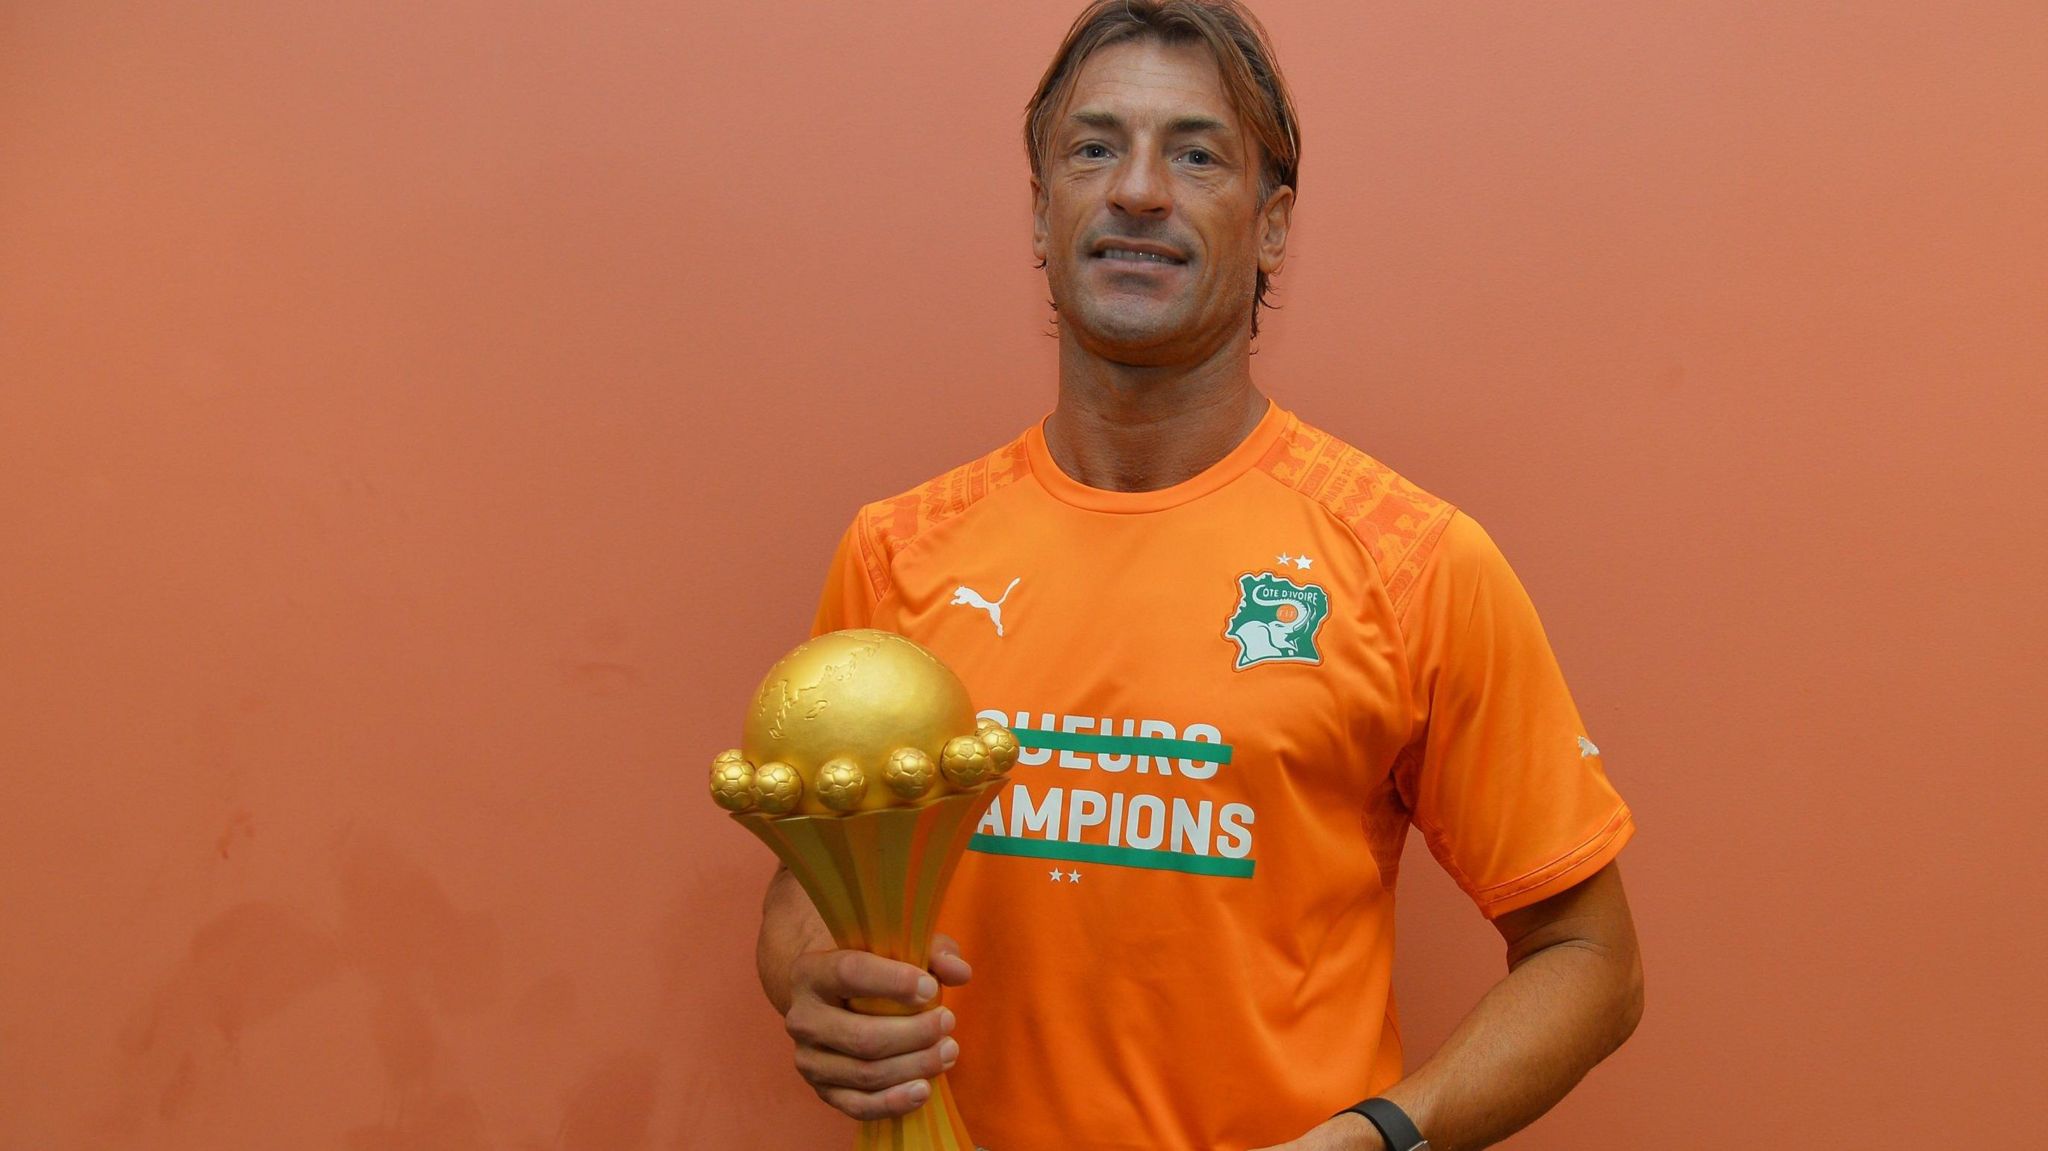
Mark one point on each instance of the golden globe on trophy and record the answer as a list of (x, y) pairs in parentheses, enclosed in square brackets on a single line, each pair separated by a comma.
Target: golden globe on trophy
[(863, 767)]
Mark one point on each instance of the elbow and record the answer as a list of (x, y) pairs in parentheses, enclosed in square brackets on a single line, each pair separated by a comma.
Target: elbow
[(1630, 1011)]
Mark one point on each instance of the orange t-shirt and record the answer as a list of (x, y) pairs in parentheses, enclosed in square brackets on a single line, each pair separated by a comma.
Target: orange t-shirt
[(1234, 695)]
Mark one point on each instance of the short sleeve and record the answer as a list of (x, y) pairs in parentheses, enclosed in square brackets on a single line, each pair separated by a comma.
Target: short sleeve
[(1505, 785), (849, 596)]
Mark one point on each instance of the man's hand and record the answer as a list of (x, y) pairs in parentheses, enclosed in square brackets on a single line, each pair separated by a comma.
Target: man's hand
[(1347, 1132), (872, 1066)]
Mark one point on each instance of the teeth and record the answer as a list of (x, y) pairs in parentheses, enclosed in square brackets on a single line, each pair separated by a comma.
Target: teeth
[(1127, 254)]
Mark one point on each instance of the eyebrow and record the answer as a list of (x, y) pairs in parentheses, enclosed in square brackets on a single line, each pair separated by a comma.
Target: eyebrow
[(1178, 126)]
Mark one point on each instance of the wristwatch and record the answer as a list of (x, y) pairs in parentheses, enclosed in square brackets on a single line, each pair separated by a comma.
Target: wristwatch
[(1394, 1125)]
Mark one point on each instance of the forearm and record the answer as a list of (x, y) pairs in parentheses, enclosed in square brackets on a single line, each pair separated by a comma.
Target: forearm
[(790, 926), (1531, 1038)]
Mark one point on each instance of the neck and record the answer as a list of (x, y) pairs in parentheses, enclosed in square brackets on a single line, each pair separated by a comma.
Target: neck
[(1138, 427)]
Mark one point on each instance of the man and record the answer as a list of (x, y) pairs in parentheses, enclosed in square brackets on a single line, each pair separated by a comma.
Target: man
[(1242, 657)]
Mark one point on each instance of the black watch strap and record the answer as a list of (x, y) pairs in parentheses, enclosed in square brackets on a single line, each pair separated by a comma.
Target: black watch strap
[(1395, 1127)]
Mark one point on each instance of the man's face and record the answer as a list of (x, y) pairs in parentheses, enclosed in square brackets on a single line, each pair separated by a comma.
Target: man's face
[(1149, 217)]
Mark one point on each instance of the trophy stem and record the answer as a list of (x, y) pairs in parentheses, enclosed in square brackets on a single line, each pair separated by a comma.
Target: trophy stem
[(877, 879)]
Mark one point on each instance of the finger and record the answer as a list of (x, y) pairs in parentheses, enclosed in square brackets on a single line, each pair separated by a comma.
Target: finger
[(824, 1069), (866, 1037), (842, 975), (947, 963), (878, 1104)]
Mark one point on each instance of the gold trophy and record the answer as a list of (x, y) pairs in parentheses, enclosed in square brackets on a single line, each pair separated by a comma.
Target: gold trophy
[(863, 767)]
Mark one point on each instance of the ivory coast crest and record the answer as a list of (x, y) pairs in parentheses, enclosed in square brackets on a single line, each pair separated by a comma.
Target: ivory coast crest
[(1276, 620)]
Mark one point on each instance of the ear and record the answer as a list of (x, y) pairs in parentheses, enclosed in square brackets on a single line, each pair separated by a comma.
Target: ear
[(1274, 219), (1039, 230)]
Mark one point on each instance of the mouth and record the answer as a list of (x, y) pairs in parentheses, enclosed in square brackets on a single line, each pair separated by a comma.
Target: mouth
[(1137, 252)]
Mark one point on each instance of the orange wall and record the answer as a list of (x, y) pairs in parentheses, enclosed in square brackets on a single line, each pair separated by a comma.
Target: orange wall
[(417, 433)]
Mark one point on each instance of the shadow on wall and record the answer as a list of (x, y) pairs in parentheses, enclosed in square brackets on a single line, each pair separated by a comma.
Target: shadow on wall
[(423, 962), (741, 1093)]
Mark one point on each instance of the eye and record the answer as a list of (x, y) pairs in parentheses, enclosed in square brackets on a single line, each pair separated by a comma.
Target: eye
[(1092, 151), (1200, 158)]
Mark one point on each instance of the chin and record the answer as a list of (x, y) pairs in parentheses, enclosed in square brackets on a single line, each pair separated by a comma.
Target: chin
[(1134, 331)]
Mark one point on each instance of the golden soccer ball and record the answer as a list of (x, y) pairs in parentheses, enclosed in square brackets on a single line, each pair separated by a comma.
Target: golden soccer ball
[(777, 788), (732, 781), (1001, 743), (841, 784), (909, 773), (965, 761)]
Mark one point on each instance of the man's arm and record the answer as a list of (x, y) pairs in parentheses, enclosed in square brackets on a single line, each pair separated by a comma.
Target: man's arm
[(1573, 993), (868, 1066)]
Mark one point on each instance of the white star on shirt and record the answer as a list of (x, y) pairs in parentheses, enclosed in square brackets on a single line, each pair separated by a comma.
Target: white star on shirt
[(1057, 874), (1302, 562), (1073, 877), (1285, 559)]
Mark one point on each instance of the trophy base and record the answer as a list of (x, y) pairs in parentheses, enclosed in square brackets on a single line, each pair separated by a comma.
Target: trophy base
[(936, 1126)]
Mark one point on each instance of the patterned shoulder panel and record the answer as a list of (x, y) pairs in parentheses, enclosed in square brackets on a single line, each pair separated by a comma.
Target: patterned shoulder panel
[(888, 526), (1398, 522)]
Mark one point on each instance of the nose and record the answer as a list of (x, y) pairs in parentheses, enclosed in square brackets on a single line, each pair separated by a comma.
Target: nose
[(1140, 187)]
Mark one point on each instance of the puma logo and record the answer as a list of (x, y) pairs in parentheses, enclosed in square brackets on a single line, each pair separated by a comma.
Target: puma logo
[(974, 599)]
